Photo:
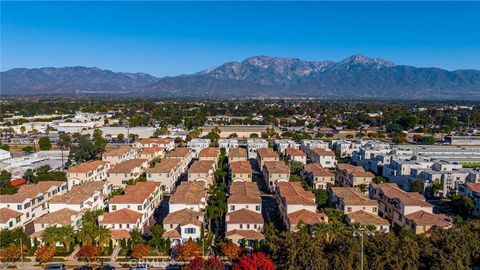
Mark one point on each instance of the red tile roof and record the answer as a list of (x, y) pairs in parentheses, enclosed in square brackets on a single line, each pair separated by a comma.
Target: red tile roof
[(87, 166), (308, 217), (294, 152), (17, 182), (122, 216), (240, 167)]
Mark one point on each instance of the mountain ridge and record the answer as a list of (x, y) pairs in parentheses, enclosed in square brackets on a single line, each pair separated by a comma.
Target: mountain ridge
[(356, 76)]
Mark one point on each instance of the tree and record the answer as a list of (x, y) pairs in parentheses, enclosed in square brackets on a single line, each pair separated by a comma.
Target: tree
[(11, 253), (379, 179), (216, 204), (231, 250), (45, 253), (51, 235), (139, 251), (198, 263), (157, 241), (121, 137), (44, 143), (254, 136), (5, 147), (321, 198), (28, 149), (161, 131), (23, 129), (417, 186), (188, 251), (88, 252), (363, 187), (254, 261), (102, 237), (68, 238), (5, 185)]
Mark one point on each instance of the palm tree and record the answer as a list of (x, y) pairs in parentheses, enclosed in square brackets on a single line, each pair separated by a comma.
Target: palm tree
[(102, 236), (86, 235), (68, 236), (51, 235), (329, 231)]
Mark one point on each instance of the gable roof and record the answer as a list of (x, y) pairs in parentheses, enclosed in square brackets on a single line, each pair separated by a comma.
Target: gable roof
[(79, 193), (30, 191), (237, 152), (240, 167), (294, 152), (244, 192), (119, 151), (62, 217), (244, 216), (393, 191), (165, 166), (127, 166), (184, 217), (316, 169), (366, 218), (294, 194), (267, 152), (308, 217), (202, 166), (209, 152), (422, 218), (7, 213), (276, 167), (122, 216), (189, 193), (246, 234), (179, 152), (88, 166), (136, 194), (352, 196)]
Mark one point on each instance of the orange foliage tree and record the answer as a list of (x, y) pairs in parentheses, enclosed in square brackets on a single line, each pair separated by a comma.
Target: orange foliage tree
[(231, 250), (139, 251), (11, 252), (89, 252), (44, 253), (188, 251), (257, 261)]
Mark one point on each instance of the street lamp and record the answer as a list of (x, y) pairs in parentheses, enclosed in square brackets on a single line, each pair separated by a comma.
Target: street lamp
[(360, 232)]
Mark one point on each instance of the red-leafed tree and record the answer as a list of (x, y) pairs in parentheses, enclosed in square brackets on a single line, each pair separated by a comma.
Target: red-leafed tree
[(188, 251), (89, 252), (139, 251), (256, 261), (231, 250), (44, 253), (198, 263)]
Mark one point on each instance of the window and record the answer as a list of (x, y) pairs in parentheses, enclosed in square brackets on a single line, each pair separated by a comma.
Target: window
[(232, 207), (19, 207), (190, 230), (248, 226), (120, 226), (374, 209), (139, 208), (114, 207), (18, 219), (171, 226), (10, 224), (349, 209), (241, 226), (257, 207)]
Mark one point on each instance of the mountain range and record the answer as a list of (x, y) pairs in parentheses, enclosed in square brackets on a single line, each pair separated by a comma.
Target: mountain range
[(356, 77)]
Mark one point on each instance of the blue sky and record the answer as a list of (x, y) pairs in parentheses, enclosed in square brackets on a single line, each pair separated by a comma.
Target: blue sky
[(170, 38)]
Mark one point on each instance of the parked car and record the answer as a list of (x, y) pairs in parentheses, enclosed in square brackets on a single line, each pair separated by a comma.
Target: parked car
[(57, 266), (84, 267), (140, 267)]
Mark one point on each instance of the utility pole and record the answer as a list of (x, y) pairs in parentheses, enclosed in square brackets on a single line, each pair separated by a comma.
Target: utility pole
[(21, 253), (360, 232)]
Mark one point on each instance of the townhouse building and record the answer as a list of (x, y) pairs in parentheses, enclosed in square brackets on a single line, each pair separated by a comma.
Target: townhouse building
[(409, 209), (10, 219), (87, 196), (317, 176), (95, 170), (325, 157), (298, 155), (197, 144), (120, 174), (308, 145), (253, 145), (167, 143), (244, 221), (240, 171), (297, 205), (275, 172), (365, 218), (142, 198), (399, 171), (119, 154), (32, 201), (266, 154), (227, 144), (281, 145), (182, 225), (188, 195), (184, 154), (345, 148), (59, 218), (351, 199), (472, 190), (351, 176), (151, 153), (237, 154), (209, 153), (166, 172), (202, 171)]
